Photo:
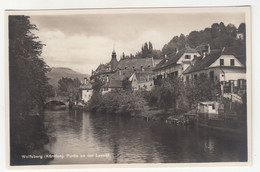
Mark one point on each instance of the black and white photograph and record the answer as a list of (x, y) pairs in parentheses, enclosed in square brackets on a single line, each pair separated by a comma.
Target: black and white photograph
[(129, 86)]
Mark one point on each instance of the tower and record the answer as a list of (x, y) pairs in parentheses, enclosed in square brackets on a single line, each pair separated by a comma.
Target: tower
[(113, 62)]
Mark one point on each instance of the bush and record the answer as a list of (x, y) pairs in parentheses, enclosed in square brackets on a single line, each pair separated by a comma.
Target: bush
[(117, 102)]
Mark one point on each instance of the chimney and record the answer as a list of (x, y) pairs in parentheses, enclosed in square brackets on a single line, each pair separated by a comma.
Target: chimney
[(177, 50), (107, 79), (120, 72), (204, 55), (85, 80), (208, 49)]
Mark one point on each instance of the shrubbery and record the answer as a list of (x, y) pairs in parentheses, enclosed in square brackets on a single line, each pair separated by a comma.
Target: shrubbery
[(117, 102)]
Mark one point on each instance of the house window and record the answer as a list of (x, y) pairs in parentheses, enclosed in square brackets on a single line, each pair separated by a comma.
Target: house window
[(195, 56), (195, 77), (221, 62), (187, 56), (187, 78), (232, 62), (211, 75)]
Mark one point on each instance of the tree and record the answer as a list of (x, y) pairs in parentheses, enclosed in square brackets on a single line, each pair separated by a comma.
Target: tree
[(28, 83), (169, 93), (28, 89), (201, 89), (69, 87), (126, 84), (97, 84)]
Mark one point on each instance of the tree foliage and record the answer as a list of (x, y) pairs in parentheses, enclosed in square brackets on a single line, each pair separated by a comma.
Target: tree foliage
[(28, 89), (69, 87), (28, 83), (127, 85), (117, 102), (217, 36), (201, 89), (147, 51)]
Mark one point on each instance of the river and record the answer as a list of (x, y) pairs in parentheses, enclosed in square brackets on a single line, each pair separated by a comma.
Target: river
[(85, 138)]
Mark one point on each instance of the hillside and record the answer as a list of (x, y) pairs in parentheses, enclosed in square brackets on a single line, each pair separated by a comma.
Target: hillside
[(57, 73)]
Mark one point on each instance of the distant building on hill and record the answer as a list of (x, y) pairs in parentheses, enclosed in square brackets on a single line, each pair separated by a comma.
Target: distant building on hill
[(240, 36)]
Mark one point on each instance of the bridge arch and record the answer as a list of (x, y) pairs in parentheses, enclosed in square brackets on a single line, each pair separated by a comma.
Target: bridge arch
[(58, 100)]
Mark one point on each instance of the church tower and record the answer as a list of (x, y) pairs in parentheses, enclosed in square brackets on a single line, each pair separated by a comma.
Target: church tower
[(113, 62)]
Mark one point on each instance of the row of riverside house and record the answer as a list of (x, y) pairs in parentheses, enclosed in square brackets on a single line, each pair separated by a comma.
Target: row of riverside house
[(226, 66)]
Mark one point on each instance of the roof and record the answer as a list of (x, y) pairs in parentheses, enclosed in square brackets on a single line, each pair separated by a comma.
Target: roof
[(124, 74), (238, 51), (201, 63), (174, 59), (135, 63), (144, 76), (208, 102), (87, 86), (113, 83), (235, 50)]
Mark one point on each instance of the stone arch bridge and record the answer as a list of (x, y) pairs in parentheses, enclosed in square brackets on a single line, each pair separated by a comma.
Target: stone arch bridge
[(59, 99)]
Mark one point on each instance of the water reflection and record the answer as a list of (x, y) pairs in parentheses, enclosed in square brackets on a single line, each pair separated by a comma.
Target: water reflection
[(127, 140)]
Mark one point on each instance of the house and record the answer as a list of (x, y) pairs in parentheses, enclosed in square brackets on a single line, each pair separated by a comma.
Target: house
[(208, 110), (219, 66), (142, 81), (86, 91), (111, 85), (124, 69), (240, 36), (104, 71), (175, 65)]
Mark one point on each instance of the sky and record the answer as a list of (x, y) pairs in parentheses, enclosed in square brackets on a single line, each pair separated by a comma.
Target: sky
[(83, 41)]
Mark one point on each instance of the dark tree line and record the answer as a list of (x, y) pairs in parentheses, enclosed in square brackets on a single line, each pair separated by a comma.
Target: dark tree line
[(28, 89), (217, 36)]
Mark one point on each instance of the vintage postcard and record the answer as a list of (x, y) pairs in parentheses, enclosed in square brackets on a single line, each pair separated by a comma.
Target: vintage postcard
[(151, 86)]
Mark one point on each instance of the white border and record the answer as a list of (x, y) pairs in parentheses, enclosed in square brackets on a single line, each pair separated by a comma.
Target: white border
[(57, 4)]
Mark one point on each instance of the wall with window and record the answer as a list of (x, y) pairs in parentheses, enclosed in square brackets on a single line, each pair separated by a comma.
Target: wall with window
[(227, 60), (219, 74), (86, 94), (188, 57)]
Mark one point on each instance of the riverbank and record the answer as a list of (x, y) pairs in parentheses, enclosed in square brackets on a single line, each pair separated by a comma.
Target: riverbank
[(27, 139)]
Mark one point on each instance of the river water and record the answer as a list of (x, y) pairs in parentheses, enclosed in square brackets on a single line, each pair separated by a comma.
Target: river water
[(85, 138)]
